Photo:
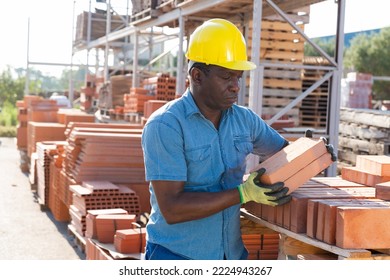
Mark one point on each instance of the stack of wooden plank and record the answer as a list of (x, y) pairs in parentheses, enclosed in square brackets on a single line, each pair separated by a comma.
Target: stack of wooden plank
[(98, 26), (280, 43), (314, 107)]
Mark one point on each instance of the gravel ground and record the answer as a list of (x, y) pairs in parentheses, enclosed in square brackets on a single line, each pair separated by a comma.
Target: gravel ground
[(27, 230)]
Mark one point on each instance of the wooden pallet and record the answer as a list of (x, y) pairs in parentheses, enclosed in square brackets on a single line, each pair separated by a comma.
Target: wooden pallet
[(78, 240)]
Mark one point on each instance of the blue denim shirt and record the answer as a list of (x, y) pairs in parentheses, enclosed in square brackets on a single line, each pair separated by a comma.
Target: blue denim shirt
[(180, 144)]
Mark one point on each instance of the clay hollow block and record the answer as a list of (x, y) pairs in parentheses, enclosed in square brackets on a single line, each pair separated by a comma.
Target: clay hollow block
[(91, 219), (130, 241), (363, 227), (298, 207), (296, 164), (107, 225)]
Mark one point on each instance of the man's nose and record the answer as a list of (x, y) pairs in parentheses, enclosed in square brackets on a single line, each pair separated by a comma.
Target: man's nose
[(235, 83)]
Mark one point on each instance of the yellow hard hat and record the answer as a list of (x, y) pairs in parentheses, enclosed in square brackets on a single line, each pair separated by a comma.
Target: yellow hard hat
[(219, 42)]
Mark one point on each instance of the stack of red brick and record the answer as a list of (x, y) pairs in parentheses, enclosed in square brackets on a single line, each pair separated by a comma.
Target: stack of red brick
[(134, 101), (99, 195), (88, 93), (350, 211), (66, 146), (162, 87), (113, 230)]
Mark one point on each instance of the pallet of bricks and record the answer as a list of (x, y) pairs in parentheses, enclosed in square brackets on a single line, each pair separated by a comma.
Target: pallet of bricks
[(280, 43), (347, 215), (362, 132), (110, 94), (103, 170), (88, 94), (43, 140), (45, 133), (356, 90), (155, 92), (261, 242), (162, 87), (134, 102)]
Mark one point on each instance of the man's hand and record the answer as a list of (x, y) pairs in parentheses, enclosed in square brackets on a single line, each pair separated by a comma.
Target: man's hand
[(253, 190), (330, 149)]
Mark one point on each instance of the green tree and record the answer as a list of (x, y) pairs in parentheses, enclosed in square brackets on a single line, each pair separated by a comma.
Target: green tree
[(78, 78), (327, 45), (370, 53), (11, 86)]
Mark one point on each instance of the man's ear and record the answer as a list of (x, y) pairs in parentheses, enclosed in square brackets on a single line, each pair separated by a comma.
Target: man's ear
[(196, 75)]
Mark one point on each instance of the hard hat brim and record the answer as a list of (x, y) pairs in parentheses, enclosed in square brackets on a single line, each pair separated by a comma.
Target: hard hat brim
[(239, 65), (234, 65)]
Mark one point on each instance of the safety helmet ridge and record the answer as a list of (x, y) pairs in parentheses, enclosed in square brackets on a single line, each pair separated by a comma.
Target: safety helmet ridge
[(219, 42)]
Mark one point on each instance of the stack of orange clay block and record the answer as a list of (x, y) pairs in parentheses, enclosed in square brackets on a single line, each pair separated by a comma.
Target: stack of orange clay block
[(350, 211), (162, 87), (98, 195), (134, 101)]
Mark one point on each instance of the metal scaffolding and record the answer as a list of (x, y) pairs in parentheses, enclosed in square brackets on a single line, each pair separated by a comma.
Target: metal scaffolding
[(183, 15)]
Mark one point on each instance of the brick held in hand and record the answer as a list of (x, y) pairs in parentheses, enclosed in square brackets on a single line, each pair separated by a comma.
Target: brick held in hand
[(296, 163)]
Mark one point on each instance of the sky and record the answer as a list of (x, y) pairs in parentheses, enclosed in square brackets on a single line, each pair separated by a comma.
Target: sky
[(51, 25)]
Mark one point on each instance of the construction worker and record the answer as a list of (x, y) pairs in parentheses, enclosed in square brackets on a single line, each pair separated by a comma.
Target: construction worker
[(195, 150)]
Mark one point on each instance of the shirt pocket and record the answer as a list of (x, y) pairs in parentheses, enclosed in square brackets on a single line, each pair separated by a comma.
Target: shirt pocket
[(200, 171), (243, 147)]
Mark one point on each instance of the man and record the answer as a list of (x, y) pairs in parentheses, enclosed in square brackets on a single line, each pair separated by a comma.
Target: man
[(195, 150)]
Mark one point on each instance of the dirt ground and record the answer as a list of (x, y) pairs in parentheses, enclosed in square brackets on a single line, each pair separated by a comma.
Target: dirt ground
[(28, 231)]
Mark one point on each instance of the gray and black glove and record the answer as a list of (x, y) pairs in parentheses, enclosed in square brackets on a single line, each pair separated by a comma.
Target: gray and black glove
[(329, 147), (253, 190)]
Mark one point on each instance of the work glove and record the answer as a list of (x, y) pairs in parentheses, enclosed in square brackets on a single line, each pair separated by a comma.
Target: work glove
[(329, 147), (253, 190)]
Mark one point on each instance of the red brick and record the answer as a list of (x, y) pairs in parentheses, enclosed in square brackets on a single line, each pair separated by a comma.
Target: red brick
[(363, 228), (330, 214), (374, 164), (297, 163), (91, 219), (107, 225), (298, 204), (383, 190), (130, 241), (361, 176)]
